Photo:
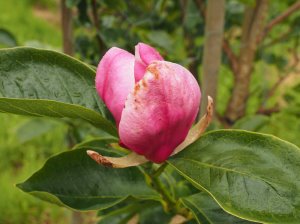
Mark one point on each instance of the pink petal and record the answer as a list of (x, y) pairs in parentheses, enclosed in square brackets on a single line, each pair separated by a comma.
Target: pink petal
[(160, 111), (144, 55), (115, 79)]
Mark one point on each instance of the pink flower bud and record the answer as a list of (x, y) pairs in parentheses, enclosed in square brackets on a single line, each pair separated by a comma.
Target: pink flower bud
[(154, 102)]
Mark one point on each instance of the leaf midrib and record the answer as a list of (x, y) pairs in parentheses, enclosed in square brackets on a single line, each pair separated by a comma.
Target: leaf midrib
[(92, 197), (226, 169)]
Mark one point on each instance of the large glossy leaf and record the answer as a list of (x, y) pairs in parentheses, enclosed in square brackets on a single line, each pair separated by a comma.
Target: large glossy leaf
[(250, 175), (207, 211), (74, 180), (47, 83)]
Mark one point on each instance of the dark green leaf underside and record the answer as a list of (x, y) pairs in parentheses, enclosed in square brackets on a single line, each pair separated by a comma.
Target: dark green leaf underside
[(74, 180)]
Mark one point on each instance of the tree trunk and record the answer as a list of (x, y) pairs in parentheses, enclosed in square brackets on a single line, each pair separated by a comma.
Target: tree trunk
[(67, 31), (253, 26), (214, 27)]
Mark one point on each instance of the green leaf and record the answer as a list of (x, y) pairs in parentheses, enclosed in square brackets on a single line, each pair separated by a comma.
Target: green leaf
[(74, 180), (250, 175), (150, 211), (252, 122), (207, 211), (96, 144), (154, 215), (120, 213), (47, 83), (33, 128), (7, 39)]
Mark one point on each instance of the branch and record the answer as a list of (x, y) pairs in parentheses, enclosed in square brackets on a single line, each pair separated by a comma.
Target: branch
[(276, 85), (278, 39), (279, 19), (233, 61), (183, 5), (272, 91), (269, 111), (201, 7), (96, 24), (253, 25), (282, 79), (66, 25)]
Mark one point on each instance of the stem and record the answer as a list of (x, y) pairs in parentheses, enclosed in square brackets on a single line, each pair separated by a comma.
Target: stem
[(160, 170), (169, 203)]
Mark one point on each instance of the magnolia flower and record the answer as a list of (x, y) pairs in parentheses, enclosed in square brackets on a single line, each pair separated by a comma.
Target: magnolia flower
[(154, 103)]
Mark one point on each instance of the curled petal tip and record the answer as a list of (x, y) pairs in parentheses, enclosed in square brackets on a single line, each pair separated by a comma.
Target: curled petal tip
[(129, 160)]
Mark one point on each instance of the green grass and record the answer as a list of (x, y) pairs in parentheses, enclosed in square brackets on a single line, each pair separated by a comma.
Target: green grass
[(21, 159), (17, 16), (18, 162)]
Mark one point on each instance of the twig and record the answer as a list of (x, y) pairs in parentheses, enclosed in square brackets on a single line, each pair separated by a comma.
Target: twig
[(96, 24), (276, 85), (183, 4), (268, 111), (272, 91), (252, 28), (279, 19), (233, 61), (278, 39), (201, 7)]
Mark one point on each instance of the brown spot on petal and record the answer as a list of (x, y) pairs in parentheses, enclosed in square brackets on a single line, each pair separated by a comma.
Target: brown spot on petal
[(153, 70), (144, 83), (136, 88)]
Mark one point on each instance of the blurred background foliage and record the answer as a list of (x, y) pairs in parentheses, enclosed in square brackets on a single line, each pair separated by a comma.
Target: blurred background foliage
[(176, 29)]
